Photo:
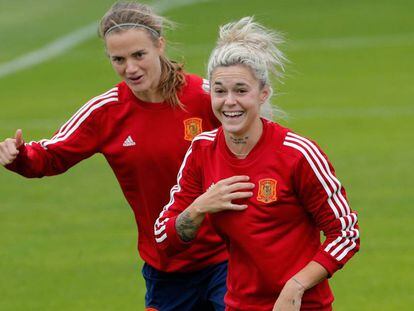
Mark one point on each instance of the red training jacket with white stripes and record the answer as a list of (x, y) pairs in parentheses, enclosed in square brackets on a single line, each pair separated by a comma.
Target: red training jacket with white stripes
[(144, 143), (296, 196)]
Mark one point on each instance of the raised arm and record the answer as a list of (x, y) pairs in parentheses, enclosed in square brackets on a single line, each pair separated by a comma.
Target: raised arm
[(77, 139)]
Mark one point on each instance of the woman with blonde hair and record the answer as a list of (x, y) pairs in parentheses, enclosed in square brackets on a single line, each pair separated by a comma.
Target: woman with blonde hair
[(267, 191), (143, 127)]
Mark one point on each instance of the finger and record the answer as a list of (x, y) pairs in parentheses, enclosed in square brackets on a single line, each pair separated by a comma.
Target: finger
[(3, 159), (11, 147), (19, 138), (240, 195), (234, 179), (236, 207), (240, 186)]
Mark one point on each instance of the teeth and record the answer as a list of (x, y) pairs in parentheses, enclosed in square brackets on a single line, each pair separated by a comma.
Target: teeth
[(233, 114)]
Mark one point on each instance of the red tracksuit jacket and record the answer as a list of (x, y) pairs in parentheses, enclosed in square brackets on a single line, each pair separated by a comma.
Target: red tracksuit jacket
[(296, 196), (144, 143)]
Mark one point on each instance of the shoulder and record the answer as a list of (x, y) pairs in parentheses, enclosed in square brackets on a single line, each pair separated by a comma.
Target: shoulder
[(205, 139), (303, 148), (195, 88), (98, 104), (198, 83)]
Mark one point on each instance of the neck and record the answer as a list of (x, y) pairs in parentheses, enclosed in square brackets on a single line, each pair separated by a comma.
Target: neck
[(241, 144), (150, 96)]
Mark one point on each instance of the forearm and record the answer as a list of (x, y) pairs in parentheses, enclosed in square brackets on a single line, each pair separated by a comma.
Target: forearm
[(310, 275), (188, 223), (290, 298)]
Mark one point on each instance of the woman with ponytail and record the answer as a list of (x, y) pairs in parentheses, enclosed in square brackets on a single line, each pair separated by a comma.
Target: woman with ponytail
[(267, 191), (143, 126)]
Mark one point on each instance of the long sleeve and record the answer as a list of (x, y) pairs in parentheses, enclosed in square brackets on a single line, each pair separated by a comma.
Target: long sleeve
[(323, 196), (77, 139), (187, 189)]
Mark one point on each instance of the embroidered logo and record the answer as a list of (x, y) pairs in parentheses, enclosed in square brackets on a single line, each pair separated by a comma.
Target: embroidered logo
[(267, 190), (192, 127), (128, 142)]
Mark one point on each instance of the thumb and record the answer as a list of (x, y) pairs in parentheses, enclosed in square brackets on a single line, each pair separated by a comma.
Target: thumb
[(19, 138)]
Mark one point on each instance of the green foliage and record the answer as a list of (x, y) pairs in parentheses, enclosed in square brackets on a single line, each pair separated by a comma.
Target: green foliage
[(69, 242)]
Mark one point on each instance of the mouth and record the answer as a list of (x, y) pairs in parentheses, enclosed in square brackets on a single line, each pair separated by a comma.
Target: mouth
[(136, 79), (232, 114)]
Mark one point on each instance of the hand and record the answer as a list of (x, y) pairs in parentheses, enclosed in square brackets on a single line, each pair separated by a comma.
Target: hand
[(290, 298), (219, 197), (9, 148)]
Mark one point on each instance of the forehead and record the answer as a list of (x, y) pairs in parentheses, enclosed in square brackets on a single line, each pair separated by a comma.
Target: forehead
[(233, 75), (128, 40)]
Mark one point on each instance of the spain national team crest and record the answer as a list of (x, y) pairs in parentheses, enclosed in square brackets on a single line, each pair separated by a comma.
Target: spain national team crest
[(192, 127), (267, 190)]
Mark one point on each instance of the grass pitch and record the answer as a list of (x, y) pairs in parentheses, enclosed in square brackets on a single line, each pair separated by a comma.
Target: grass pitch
[(69, 242)]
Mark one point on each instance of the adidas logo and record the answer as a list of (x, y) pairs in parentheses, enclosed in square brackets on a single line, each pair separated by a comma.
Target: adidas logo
[(129, 142)]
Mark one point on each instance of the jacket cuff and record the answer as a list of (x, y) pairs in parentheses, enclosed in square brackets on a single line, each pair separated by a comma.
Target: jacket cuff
[(328, 262)]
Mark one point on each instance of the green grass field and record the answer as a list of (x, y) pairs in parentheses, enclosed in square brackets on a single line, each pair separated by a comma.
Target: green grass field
[(69, 242)]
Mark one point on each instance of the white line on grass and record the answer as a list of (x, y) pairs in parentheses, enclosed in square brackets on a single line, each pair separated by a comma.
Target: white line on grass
[(49, 51), (73, 39), (79, 36)]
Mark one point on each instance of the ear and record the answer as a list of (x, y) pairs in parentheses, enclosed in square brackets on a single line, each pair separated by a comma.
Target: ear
[(161, 45), (265, 93)]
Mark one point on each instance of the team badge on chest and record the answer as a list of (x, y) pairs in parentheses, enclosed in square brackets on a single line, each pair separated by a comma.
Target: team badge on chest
[(267, 190), (192, 127)]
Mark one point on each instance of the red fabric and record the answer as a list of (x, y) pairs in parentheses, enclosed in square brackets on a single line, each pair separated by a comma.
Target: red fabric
[(279, 233), (144, 143)]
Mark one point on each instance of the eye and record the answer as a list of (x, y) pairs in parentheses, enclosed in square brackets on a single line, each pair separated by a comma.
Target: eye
[(241, 91), (218, 91), (117, 59), (139, 54)]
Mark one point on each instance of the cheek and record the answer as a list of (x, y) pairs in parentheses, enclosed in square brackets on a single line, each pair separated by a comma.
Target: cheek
[(118, 68), (153, 64), (216, 106), (215, 102)]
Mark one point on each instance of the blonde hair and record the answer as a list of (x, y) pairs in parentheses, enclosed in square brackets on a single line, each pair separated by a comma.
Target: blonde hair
[(248, 43), (127, 15)]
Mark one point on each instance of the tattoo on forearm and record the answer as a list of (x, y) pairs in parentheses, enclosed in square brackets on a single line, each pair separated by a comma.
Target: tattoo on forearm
[(238, 141), (186, 228)]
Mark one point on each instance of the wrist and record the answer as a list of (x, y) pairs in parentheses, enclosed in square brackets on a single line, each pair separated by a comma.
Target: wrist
[(296, 285), (197, 209)]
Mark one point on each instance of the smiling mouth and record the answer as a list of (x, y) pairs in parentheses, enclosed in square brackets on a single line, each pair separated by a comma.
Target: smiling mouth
[(233, 114)]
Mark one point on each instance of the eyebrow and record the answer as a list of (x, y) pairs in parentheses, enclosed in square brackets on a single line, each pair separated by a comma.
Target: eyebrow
[(133, 53), (139, 51), (237, 84)]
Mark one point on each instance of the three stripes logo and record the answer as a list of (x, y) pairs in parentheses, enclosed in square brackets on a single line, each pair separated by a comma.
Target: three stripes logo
[(128, 142)]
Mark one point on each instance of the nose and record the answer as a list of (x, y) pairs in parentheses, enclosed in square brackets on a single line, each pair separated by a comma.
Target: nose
[(131, 66), (230, 99)]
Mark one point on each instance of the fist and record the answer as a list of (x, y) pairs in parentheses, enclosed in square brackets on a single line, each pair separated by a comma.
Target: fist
[(9, 148)]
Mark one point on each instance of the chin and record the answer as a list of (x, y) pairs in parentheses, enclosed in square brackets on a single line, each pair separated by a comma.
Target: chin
[(234, 130), (137, 88)]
